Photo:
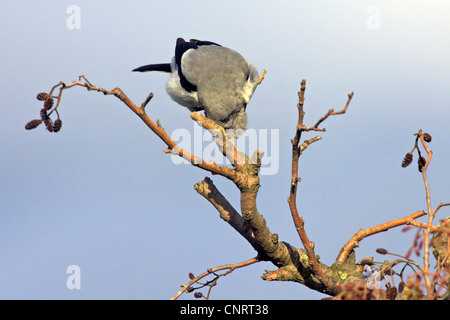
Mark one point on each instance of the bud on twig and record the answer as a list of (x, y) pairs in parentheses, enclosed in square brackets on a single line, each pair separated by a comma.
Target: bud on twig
[(381, 251), (427, 137)]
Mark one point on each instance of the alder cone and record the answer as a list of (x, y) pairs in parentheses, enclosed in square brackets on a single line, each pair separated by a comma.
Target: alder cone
[(407, 160), (33, 124), (42, 96), (57, 125), (421, 162)]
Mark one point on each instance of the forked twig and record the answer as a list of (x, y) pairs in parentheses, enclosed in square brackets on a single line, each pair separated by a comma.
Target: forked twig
[(331, 112), (229, 267), (364, 233), (297, 150), (140, 111)]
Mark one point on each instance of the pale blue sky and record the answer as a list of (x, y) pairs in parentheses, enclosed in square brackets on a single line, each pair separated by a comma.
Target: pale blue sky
[(102, 195)]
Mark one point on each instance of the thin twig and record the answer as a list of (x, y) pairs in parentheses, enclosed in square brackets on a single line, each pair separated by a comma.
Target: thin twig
[(156, 128), (146, 101), (261, 77), (440, 206), (364, 233), (230, 267), (296, 152), (426, 234), (292, 200), (331, 112), (425, 226)]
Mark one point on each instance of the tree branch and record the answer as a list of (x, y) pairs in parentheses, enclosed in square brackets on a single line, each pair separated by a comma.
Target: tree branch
[(224, 142), (331, 112), (208, 190), (155, 127), (296, 152), (229, 267), (300, 265), (361, 234)]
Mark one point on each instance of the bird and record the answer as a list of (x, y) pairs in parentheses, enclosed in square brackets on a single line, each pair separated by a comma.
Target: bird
[(206, 76)]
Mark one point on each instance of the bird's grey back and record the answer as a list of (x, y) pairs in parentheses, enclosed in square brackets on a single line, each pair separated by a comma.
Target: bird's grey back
[(220, 74)]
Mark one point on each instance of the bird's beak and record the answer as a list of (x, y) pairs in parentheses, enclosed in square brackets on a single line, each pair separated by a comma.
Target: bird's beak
[(161, 67)]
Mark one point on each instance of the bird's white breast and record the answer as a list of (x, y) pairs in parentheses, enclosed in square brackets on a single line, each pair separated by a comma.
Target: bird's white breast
[(178, 93)]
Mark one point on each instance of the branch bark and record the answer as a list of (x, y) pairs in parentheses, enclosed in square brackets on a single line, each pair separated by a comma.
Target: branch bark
[(208, 190)]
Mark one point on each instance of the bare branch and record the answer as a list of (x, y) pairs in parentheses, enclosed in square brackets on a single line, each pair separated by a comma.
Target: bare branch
[(306, 143), (261, 77), (230, 267), (440, 206), (208, 190), (224, 142), (296, 152), (361, 234), (426, 226), (156, 128), (331, 112), (423, 166), (146, 101)]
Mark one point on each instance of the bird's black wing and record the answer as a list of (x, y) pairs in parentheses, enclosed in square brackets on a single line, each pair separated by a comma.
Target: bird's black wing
[(181, 47), (204, 43)]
